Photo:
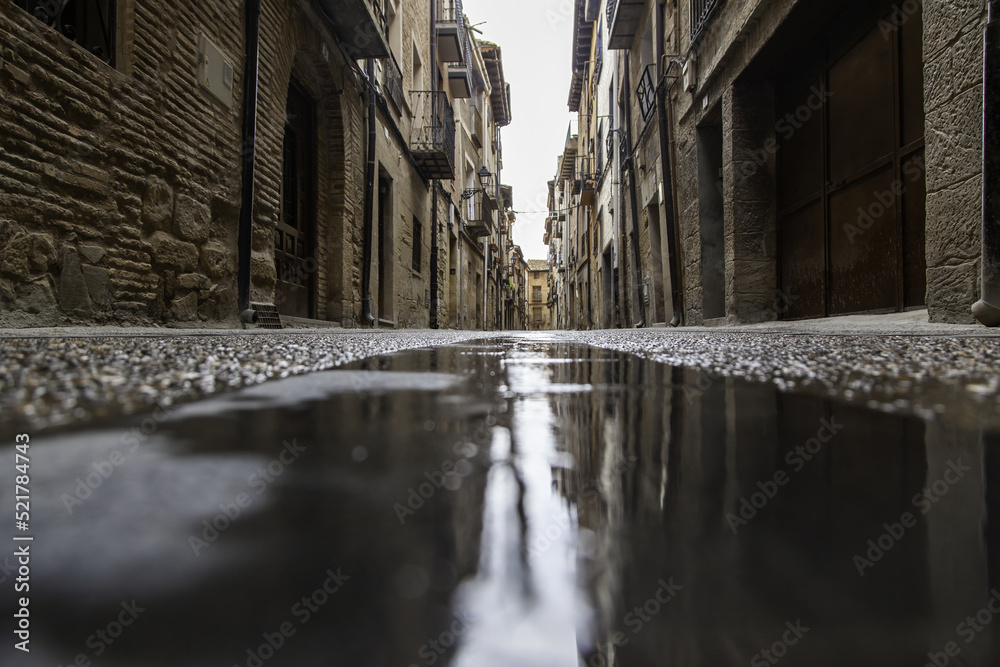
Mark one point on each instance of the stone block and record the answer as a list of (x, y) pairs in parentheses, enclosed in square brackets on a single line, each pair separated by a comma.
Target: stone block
[(168, 251), (263, 237), (73, 294), (208, 309), (7, 293), (263, 273), (92, 253), (157, 205), (185, 308), (192, 219), (192, 281), (951, 291), (954, 223), (216, 261), (36, 298), (96, 279)]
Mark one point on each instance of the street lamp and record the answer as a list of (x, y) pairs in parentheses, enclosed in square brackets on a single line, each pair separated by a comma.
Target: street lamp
[(485, 182)]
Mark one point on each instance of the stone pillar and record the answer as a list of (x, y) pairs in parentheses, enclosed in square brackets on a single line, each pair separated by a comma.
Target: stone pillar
[(748, 175), (987, 309)]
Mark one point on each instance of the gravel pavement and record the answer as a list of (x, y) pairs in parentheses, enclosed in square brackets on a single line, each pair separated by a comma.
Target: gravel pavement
[(58, 377)]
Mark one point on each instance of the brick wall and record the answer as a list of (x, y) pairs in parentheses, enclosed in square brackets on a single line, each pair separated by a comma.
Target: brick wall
[(120, 186)]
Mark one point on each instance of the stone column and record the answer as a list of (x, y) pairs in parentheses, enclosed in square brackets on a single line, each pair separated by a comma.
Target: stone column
[(749, 147)]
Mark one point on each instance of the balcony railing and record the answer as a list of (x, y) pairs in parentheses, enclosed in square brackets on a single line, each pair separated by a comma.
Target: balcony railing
[(361, 25), (701, 13), (451, 31), (624, 17), (432, 136), (392, 81), (478, 129), (480, 212)]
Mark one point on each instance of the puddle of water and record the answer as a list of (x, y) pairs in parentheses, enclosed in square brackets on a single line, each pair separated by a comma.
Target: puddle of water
[(519, 502)]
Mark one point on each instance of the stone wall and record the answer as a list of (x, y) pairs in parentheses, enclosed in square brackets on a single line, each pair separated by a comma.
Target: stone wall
[(953, 35), (120, 186), (953, 107)]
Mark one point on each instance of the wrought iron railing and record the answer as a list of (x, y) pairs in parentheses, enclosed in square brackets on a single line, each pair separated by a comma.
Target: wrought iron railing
[(701, 13), (612, 6), (91, 24), (392, 81), (646, 92), (381, 16), (433, 122), (451, 11)]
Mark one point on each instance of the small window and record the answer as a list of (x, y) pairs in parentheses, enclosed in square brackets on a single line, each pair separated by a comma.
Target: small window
[(89, 23), (417, 241)]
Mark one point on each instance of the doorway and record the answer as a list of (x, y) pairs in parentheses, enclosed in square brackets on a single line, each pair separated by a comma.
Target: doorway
[(385, 295), (850, 181), (711, 217), (295, 234)]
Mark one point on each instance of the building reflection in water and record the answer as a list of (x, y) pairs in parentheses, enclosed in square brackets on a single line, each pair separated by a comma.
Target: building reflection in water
[(798, 529)]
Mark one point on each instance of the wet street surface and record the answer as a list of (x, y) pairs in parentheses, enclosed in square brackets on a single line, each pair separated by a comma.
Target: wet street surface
[(527, 501)]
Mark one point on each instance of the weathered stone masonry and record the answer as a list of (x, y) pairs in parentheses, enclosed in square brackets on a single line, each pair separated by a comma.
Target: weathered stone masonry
[(119, 188)]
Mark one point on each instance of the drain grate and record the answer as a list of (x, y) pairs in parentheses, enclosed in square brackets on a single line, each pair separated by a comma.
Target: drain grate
[(267, 316)]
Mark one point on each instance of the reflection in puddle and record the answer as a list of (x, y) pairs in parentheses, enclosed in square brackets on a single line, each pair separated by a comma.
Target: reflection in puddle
[(519, 502)]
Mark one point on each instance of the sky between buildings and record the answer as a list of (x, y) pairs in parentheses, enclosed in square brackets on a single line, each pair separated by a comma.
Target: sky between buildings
[(535, 37)]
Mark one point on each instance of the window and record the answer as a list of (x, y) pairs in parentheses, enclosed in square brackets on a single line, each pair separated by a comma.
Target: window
[(90, 23), (701, 14), (536, 293), (417, 80), (536, 315), (417, 242)]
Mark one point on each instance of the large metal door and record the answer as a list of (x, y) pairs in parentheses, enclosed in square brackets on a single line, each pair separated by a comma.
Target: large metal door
[(294, 244), (850, 173)]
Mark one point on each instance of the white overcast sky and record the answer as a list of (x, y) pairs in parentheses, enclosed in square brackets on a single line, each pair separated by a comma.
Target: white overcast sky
[(535, 37)]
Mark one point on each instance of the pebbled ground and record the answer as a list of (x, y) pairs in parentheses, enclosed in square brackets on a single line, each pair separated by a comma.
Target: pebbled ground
[(51, 381)]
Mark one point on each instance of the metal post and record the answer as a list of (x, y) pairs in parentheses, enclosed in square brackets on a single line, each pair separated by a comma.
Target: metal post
[(250, 77), (987, 309)]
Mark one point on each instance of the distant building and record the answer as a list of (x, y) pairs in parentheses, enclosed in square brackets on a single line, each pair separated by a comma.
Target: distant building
[(539, 311)]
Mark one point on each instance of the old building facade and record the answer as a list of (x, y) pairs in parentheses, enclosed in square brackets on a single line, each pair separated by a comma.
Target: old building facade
[(539, 295), (775, 159), (185, 162)]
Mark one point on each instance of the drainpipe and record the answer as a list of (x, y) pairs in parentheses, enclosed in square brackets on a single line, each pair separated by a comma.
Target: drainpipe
[(663, 115), (249, 146), (630, 165), (434, 185), (987, 309), (366, 268)]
